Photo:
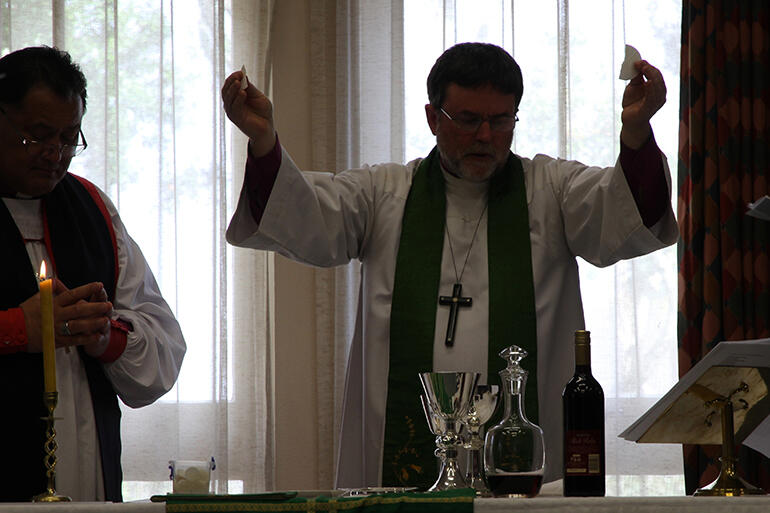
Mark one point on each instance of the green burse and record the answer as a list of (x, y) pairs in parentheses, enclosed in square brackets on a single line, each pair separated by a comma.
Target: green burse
[(451, 501), (408, 456)]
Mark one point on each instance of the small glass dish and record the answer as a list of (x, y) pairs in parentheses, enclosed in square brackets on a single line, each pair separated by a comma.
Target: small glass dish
[(191, 476)]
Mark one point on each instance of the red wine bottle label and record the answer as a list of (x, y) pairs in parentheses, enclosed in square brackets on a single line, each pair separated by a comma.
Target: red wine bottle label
[(582, 452)]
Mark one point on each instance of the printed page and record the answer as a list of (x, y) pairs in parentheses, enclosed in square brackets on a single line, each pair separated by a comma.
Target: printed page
[(748, 355)]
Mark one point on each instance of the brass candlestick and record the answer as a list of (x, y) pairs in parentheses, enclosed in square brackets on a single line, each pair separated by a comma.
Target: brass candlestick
[(50, 399), (729, 483)]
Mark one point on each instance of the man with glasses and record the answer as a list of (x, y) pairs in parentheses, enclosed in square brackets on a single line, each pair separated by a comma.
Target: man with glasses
[(115, 335), (465, 252)]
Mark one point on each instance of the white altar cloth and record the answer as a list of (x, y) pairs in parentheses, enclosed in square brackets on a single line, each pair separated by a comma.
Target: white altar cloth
[(551, 500), (756, 504)]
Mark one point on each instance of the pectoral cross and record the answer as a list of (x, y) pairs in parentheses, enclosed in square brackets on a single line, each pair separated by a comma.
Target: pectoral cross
[(455, 301)]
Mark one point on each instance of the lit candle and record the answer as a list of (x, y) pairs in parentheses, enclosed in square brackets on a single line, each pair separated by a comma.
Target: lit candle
[(46, 329)]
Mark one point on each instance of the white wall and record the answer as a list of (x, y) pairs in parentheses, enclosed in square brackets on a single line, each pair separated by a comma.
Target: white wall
[(294, 322)]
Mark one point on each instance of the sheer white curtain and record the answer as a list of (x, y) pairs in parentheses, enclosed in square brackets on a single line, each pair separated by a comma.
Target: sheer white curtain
[(570, 52), (354, 116), (159, 146)]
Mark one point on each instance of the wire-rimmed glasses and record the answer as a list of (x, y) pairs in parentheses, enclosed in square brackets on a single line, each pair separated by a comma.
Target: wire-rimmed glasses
[(471, 123), (33, 146)]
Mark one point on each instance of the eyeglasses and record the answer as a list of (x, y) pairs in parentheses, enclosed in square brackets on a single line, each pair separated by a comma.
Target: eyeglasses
[(34, 147), (471, 124)]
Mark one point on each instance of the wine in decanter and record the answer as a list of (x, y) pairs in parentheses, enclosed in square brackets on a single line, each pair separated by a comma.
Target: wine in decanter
[(514, 453)]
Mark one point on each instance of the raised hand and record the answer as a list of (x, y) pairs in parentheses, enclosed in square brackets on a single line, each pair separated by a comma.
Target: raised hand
[(645, 94), (251, 111)]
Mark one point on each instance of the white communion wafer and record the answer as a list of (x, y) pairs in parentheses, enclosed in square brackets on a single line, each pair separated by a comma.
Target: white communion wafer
[(245, 81), (627, 69)]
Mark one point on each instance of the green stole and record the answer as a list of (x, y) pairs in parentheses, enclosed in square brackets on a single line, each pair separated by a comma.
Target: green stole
[(408, 456)]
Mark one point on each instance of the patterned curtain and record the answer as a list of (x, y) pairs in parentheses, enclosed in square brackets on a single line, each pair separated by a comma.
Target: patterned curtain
[(724, 140)]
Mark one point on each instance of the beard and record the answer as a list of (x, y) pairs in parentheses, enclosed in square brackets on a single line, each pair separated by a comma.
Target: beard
[(476, 164)]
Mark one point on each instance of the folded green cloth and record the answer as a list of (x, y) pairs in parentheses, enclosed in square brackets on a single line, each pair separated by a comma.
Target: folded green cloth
[(452, 501)]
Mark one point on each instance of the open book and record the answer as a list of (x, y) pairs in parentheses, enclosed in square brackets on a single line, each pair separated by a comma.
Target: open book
[(681, 415)]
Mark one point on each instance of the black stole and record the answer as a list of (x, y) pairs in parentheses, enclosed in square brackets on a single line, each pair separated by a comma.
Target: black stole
[(408, 457), (82, 252)]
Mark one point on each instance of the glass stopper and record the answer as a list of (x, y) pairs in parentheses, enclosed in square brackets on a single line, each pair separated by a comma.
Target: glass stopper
[(513, 355)]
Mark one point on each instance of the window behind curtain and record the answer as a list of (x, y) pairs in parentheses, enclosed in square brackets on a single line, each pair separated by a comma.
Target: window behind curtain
[(156, 145), (571, 109)]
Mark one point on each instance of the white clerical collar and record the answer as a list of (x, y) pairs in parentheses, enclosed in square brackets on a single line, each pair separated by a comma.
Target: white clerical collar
[(460, 186), (26, 215)]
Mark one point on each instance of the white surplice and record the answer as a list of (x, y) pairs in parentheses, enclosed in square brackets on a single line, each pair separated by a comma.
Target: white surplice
[(146, 370), (326, 220)]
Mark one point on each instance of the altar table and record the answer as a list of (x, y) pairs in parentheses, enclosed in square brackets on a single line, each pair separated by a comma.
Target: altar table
[(551, 500), (625, 505), (536, 505)]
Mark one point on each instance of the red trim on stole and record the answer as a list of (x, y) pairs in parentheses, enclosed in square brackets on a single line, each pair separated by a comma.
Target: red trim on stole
[(91, 188)]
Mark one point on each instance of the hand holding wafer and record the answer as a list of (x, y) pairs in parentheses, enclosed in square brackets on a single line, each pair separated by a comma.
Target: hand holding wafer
[(250, 110), (245, 79)]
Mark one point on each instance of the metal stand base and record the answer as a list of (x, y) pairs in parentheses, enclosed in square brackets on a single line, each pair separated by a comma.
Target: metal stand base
[(50, 399), (50, 496), (729, 484), (449, 477)]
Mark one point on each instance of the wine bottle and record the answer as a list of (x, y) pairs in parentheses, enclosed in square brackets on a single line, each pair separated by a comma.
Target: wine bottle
[(583, 403)]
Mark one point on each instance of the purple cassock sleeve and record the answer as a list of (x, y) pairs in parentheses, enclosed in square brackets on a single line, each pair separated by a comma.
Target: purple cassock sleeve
[(646, 179), (260, 177)]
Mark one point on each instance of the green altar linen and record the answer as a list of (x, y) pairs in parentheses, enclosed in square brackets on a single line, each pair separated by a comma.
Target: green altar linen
[(451, 501)]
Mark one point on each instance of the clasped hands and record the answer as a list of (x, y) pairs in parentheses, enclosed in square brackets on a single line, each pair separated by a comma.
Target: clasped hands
[(84, 310)]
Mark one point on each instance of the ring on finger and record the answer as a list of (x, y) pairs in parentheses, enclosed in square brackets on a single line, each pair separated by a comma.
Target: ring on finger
[(65, 329)]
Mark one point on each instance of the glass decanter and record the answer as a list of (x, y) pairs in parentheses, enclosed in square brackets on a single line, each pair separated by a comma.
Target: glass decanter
[(514, 453)]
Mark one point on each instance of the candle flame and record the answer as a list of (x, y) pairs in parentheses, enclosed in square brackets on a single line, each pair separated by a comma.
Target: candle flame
[(42, 270)]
